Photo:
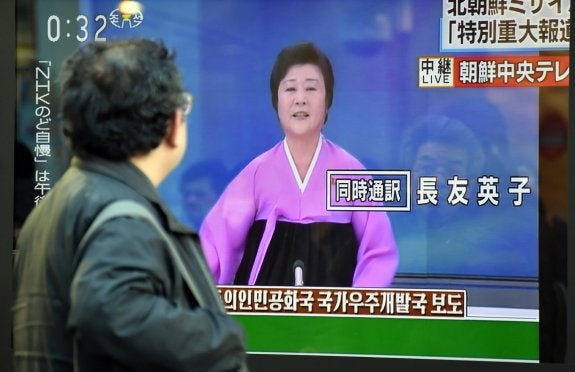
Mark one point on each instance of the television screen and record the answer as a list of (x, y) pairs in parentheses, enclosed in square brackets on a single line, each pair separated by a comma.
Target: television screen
[(457, 112)]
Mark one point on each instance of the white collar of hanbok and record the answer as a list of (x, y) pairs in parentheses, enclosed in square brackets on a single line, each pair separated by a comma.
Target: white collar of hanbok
[(303, 183)]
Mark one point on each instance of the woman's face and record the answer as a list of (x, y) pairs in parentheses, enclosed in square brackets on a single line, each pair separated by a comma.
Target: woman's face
[(301, 102)]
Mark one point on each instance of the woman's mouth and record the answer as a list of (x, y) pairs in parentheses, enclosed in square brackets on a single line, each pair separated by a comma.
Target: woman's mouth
[(300, 114)]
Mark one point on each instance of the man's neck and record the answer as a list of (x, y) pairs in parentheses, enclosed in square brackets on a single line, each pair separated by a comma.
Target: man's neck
[(153, 166)]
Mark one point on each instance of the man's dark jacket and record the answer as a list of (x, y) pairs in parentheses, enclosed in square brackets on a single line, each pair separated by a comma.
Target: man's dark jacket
[(121, 303)]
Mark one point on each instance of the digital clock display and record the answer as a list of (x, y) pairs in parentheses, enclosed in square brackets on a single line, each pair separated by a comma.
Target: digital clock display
[(78, 28)]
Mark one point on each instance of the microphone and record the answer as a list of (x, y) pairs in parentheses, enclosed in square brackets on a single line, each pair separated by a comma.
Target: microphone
[(298, 268)]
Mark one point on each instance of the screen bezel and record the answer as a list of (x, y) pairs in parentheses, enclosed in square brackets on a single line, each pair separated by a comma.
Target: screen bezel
[(7, 117), (257, 361)]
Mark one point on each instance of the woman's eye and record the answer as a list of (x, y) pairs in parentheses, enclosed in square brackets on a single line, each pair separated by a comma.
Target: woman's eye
[(290, 90), (311, 89)]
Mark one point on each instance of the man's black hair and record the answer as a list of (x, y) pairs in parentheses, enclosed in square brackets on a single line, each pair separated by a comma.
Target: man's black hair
[(118, 96)]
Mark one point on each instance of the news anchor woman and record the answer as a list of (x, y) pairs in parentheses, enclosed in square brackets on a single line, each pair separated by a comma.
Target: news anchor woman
[(271, 225)]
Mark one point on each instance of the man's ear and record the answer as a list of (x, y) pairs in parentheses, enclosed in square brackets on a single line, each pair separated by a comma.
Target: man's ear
[(175, 125)]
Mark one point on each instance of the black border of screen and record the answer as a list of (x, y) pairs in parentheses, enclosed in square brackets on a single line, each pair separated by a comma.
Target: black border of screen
[(7, 125), (257, 362)]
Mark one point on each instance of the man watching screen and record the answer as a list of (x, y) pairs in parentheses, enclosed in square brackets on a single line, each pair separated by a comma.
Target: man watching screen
[(118, 302)]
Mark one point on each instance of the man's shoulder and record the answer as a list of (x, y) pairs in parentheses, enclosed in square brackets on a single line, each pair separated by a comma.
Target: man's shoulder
[(79, 195), (93, 188)]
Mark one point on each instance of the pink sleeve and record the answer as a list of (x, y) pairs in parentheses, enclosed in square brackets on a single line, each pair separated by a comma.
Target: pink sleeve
[(377, 257), (224, 230)]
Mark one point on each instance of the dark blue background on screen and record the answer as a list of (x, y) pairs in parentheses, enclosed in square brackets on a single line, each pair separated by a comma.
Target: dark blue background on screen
[(226, 50)]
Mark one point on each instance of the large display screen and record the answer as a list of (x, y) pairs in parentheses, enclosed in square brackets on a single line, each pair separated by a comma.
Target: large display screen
[(458, 111)]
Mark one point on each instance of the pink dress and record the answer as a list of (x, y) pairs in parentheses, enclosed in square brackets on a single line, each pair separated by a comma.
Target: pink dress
[(268, 221)]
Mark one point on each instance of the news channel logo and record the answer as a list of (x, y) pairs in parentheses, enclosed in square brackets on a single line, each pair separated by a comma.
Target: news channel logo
[(127, 15)]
